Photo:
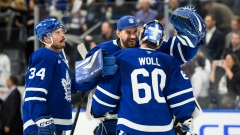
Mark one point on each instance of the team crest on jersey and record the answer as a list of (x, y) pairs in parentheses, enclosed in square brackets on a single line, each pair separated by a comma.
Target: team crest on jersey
[(66, 83)]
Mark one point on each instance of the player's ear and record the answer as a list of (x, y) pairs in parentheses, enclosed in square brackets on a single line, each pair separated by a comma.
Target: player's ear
[(118, 32), (46, 39)]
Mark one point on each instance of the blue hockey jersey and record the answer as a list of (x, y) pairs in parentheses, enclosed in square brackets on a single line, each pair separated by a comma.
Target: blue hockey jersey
[(47, 91), (150, 88)]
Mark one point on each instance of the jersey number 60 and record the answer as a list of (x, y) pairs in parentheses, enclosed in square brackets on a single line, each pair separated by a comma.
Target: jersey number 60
[(144, 86)]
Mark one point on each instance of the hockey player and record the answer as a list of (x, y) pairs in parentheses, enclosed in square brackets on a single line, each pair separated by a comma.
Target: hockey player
[(183, 46), (149, 88), (47, 97)]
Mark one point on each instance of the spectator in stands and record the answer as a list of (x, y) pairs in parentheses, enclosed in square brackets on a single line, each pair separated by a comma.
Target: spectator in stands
[(231, 67), (222, 13), (5, 66), (145, 13), (173, 5), (200, 82), (20, 9), (235, 26), (214, 40), (10, 112), (235, 44), (30, 18), (106, 34)]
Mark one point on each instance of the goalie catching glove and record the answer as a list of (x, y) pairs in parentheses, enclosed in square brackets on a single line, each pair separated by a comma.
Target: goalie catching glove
[(190, 26), (98, 64), (45, 125)]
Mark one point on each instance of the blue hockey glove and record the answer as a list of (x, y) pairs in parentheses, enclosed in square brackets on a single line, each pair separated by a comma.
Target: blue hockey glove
[(95, 66), (190, 26), (45, 125)]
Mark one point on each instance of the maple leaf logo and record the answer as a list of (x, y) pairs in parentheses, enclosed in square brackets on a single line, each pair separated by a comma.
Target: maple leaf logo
[(66, 83)]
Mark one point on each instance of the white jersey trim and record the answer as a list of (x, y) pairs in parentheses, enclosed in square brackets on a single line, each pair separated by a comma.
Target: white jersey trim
[(28, 123), (107, 93), (182, 103), (179, 93), (145, 128), (103, 103), (37, 89), (34, 98), (172, 44), (180, 52)]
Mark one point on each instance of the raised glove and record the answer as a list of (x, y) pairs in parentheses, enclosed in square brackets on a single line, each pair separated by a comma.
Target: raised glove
[(95, 66), (190, 26), (45, 125)]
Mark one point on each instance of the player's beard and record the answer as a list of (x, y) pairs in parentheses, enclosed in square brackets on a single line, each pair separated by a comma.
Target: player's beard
[(129, 43)]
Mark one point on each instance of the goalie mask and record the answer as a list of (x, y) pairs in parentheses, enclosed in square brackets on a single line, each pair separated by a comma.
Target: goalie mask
[(45, 28), (152, 32)]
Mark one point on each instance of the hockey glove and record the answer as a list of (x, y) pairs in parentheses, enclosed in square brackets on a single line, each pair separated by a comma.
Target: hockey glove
[(45, 125), (95, 66), (190, 26), (183, 128)]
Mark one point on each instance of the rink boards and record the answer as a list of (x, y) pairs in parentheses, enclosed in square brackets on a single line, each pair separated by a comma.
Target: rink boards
[(211, 122)]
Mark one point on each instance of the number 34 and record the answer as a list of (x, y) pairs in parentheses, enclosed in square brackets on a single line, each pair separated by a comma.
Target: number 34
[(40, 73)]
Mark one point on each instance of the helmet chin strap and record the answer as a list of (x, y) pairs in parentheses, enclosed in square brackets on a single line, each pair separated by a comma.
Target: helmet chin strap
[(49, 45)]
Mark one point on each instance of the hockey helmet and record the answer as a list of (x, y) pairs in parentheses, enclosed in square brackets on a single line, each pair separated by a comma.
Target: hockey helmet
[(152, 32), (45, 27)]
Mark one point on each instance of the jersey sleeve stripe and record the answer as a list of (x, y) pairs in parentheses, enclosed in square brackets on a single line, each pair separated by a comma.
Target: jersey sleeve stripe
[(28, 123), (179, 93), (103, 103), (37, 89), (34, 98), (188, 43), (107, 93), (182, 103), (180, 52), (171, 47), (145, 128)]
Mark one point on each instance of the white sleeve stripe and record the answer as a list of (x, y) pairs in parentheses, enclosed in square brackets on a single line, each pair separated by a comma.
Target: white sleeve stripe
[(34, 98), (189, 42), (28, 123), (103, 103), (107, 93), (182, 103), (172, 44), (180, 52), (145, 128), (37, 89), (179, 93)]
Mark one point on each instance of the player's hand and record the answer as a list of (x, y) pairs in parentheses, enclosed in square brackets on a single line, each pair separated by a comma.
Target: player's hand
[(45, 125), (183, 128)]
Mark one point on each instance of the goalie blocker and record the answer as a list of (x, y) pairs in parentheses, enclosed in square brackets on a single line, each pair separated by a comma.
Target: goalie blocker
[(95, 66)]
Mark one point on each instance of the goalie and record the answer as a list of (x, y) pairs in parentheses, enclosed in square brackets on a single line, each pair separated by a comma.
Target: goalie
[(183, 47)]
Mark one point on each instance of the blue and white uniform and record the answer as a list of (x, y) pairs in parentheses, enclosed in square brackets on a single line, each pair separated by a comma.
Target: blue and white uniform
[(48, 91), (148, 83)]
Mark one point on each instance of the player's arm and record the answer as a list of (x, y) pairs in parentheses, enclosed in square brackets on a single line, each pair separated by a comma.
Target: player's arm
[(190, 30), (107, 95), (38, 79), (181, 99)]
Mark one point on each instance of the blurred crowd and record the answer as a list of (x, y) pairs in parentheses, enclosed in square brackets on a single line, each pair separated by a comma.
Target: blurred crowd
[(214, 72)]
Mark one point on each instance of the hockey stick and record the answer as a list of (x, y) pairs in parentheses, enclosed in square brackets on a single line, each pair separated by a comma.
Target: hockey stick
[(77, 113), (82, 51)]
